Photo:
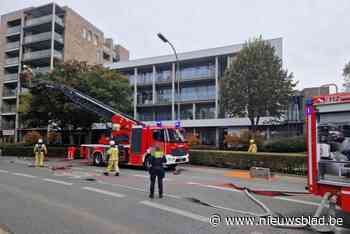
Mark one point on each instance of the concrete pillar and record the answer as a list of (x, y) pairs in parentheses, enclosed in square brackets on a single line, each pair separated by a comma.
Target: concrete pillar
[(194, 110), (135, 93), (154, 85), (216, 87), (173, 92), (53, 34), (217, 137)]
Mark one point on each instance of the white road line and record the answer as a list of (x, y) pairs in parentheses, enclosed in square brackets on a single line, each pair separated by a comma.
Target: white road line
[(239, 191), (4, 171), (297, 201), (105, 192), (135, 189), (147, 176), (175, 211), (214, 187), (24, 175), (58, 181)]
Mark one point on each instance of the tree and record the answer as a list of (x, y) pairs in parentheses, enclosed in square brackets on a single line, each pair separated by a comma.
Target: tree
[(255, 84), (40, 107), (346, 74)]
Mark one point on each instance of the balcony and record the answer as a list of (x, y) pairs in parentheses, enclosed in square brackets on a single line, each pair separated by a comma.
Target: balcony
[(13, 30), (41, 70), (11, 77), (9, 93), (41, 54), (11, 61), (12, 45), (9, 109), (43, 20), (42, 37)]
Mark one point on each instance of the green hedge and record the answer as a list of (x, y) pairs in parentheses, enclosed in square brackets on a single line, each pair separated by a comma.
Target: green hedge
[(27, 151), (285, 145), (277, 162)]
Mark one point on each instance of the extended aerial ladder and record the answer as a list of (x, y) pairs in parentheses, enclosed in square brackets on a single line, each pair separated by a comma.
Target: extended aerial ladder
[(134, 136)]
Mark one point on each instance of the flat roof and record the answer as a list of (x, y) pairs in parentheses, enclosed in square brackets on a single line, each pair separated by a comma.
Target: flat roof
[(197, 54)]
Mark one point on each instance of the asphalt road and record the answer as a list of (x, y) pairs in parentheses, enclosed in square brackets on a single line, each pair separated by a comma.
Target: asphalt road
[(42, 200)]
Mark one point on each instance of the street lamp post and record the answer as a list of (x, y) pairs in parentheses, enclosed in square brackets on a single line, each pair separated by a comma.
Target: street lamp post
[(177, 76)]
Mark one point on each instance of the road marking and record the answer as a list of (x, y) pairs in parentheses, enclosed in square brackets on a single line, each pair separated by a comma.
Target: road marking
[(175, 211), (297, 201), (24, 175), (214, 187), (57, 181), (103, 192), (135, 189), (4, 171), (239, 191)]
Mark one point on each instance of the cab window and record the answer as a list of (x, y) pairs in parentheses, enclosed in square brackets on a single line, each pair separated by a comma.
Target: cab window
[(158, 135)]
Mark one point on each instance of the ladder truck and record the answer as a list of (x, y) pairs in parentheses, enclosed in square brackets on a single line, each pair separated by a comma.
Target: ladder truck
[(133, 137), (328, 147)]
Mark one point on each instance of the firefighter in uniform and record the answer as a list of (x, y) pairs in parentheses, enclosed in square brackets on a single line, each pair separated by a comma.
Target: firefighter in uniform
[(113, 159), (40, 151), (156, 170), (252, 147)]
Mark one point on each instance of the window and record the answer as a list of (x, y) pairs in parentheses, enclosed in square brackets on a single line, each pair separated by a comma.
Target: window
[(84, 33), (89, 36), (158, 135), (95, 39)]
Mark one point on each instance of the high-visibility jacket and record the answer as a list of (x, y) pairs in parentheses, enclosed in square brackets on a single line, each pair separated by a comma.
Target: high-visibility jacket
[(113, 153), (40, 148)]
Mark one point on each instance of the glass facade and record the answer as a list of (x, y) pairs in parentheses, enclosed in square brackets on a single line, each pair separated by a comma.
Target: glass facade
[(145, 78), (197, 93), (144, 96), (163, 74), (205, 111), (197, 71), (163, 95)]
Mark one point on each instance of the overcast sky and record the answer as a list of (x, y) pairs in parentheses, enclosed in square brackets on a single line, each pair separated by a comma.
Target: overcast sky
[(316, 42)]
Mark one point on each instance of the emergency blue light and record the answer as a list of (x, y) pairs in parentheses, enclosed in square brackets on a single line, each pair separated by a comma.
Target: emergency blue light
[(177, 124), (159, 124)]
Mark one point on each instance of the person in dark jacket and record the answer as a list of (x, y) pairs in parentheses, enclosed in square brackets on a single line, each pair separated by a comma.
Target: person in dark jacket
[(156, 170)]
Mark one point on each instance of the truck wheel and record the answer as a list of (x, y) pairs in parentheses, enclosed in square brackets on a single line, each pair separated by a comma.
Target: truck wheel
[(98, 161), (172, 167)]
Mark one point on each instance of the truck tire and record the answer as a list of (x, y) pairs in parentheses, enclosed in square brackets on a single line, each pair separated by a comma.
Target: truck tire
[(172, 167), (98, 160)]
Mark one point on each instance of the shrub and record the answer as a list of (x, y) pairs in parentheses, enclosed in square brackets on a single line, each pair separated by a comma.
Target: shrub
[(287, 145), (277, 162), (27, 151), (246, 135), (232, 140), (54, 137), (193, 139), (32, 137)]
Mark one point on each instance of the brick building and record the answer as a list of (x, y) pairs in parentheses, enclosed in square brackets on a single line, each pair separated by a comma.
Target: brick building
[(38, 37)]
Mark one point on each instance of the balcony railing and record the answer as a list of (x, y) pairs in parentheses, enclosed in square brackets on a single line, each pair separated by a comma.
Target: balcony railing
[(42, 37), (11, 77), (9, 93), (13, 30), (41, 70), (8, 125), (9, 109), (12, 45), (11, 61), (42, 20), (41, 54)]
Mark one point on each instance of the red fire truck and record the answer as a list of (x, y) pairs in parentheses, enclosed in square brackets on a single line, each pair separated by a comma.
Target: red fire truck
[(133, 137), (328, 141)]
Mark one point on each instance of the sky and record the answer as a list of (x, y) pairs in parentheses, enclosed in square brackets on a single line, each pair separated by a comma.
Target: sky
[(316, 36)]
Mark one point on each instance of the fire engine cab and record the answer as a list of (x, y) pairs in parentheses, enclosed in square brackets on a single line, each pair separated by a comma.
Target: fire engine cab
[(328, 141)]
